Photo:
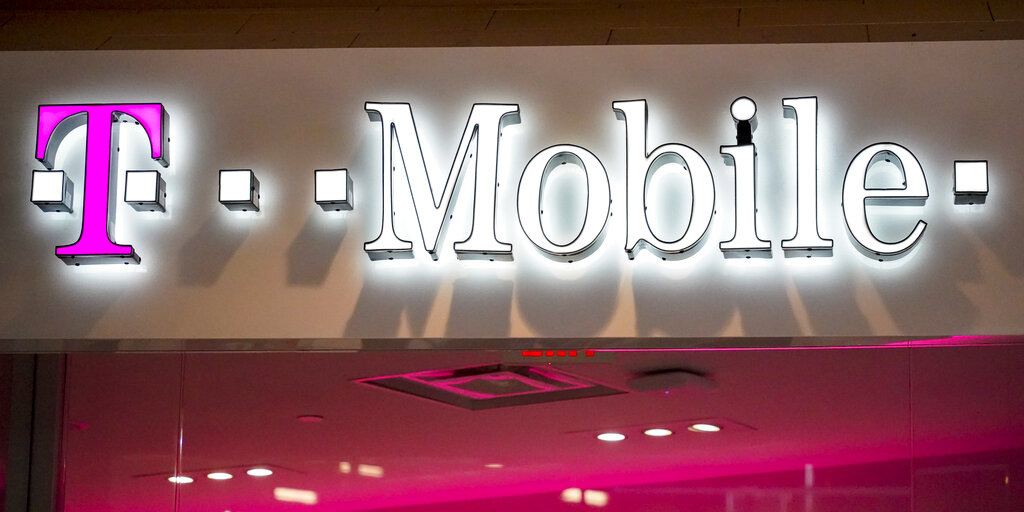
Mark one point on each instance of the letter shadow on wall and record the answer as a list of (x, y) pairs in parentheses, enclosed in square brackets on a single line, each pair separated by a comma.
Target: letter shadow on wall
[(480, 308), (383, 301), (60, 316), (206, 253), (934, 301), (556, 306), (681, 307), (311, 253), (991, 284)]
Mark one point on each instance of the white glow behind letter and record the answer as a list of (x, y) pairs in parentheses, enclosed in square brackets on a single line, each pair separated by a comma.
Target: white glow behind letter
[(531, 186), (744, 237), (805, 110), (856, 195), (397, 127), (640, 163)]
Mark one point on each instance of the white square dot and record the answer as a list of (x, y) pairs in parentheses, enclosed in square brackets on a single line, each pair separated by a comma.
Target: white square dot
[(47, 186), (331, 186), (236, 185), (141, 186), (970, 177)]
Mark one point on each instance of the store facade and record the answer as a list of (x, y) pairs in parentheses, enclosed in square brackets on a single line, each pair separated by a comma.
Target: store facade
[(428, 279)]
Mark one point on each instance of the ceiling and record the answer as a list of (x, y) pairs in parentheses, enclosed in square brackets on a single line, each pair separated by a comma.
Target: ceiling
[(867, 420)]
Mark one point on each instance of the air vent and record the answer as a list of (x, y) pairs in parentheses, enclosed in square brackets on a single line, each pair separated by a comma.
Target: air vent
[(494, 385)]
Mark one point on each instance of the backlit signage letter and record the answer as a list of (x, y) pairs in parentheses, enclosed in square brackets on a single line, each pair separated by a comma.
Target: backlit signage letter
[(806, 238), (398, 131), (598, 196), (857, 194), (744, 159), (640, 164), (55, 123)]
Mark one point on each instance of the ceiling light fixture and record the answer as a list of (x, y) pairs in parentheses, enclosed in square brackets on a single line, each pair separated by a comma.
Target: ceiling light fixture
[(595, 498), (289, 495), (178, 479), (370, 470), (658, 432), (572, 495), (494, 465), (259, 472), (219, 475), (704, 427), (611, 437)]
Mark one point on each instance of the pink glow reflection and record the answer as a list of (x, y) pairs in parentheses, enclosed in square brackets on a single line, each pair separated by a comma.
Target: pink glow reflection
[(846, 413), (950, 341), (446, 380)]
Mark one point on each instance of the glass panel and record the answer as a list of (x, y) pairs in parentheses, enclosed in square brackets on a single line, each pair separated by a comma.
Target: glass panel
[(5, 421), (968, 428), (121, 432), (801, 430)]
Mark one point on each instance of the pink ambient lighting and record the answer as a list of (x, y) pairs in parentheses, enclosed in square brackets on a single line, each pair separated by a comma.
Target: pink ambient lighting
[(55, 122), (950, 341), (492, 385), (446, 380)]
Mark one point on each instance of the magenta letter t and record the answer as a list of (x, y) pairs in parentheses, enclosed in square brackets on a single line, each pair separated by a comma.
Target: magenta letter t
[(55, 122)]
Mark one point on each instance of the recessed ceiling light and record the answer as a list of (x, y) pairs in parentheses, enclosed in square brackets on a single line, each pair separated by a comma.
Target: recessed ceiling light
[(494, 465), (289, 495), (595, 498), (572, 495), (259, 472), (180, 479), (611, 436), (219, 475), (704, 427), (310, 418), (658, 432), (370, 470)]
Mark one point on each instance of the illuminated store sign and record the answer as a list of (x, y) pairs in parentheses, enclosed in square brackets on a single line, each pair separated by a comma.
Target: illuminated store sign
[(478, 153)]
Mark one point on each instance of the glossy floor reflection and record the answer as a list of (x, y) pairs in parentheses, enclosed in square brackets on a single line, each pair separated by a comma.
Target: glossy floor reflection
[(880, 429)]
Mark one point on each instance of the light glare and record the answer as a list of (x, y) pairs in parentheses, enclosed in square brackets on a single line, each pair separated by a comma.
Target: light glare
[(658, 432), (288, 495), (370, 471), (572, 495), (704, 427), (611, 437), (595, 498)]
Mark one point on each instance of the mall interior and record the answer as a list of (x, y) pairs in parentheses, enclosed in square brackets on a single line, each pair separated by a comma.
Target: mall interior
[(561, 424)]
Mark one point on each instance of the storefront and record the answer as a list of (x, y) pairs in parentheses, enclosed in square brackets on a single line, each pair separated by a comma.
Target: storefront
[(785, 277)]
